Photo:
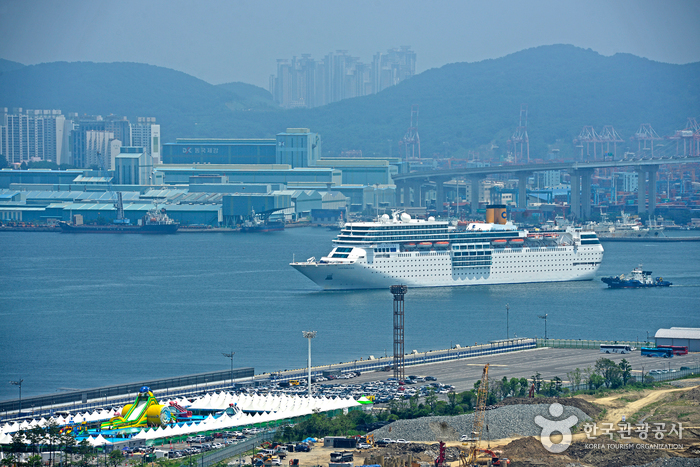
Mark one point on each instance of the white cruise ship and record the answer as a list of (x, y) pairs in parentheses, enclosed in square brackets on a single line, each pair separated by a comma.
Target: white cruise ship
[(419, 253)]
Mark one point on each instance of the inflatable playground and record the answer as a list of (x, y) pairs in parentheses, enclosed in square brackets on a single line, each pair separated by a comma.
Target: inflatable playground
[(149, 420)]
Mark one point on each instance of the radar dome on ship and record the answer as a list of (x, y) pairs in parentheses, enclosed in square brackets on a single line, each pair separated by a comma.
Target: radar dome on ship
[(385, 218), (405, 217), (431, 218)]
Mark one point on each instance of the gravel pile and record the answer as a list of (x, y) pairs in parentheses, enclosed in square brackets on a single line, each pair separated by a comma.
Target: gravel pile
[(502, 422)]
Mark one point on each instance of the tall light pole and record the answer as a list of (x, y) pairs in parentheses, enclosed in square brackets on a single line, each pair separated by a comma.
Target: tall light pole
[(309, 335), (544, 317), (230, 355), (19, 383), (507, 317)]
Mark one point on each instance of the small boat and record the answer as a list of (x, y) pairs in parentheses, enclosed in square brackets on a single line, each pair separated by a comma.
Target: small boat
[(443, 244), (638, 279), (519, 241), (499, 241), (425, 244)]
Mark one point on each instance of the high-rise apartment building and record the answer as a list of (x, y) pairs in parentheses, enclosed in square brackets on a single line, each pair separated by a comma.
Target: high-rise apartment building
[(145, 133), (32, 135), (92, 144), (120, 128), (306, 82)]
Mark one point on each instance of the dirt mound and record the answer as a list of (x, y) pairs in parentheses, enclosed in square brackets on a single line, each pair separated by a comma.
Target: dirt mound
[(420, 452), (525, 447), (693, 394), (589, 409), (530, 452), (610, 454)]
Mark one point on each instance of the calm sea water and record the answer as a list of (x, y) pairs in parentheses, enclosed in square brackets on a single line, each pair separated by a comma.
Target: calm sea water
[(80, 311)]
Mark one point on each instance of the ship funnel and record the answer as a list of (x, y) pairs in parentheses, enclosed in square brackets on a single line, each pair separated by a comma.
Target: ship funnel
[(496, 214)]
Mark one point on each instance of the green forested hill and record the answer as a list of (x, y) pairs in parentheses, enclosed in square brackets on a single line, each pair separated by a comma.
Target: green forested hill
[(463, 106)]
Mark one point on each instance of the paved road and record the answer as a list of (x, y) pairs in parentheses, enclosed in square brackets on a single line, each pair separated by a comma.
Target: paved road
[(549, 362)]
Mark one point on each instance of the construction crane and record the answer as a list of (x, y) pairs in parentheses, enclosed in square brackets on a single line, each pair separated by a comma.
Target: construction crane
[(469, 459)]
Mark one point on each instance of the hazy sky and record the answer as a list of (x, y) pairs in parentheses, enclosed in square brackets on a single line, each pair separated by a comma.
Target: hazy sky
[(239, 40)]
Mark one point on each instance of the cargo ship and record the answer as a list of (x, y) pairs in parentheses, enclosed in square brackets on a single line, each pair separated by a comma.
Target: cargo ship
[(154, 222), (637, 280), (258, 225), (399, 249)]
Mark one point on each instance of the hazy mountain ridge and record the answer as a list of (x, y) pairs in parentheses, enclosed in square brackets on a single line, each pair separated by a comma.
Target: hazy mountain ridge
[(462, 105), (8, 65)]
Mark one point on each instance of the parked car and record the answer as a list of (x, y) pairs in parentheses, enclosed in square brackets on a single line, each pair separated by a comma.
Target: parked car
[(430, 378), (302, 447), (363, 446)]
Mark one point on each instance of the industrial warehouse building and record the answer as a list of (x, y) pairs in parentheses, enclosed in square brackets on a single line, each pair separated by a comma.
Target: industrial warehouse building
[(689, 337)]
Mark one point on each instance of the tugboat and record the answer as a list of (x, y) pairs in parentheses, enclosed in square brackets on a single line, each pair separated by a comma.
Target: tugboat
[(638, 279)]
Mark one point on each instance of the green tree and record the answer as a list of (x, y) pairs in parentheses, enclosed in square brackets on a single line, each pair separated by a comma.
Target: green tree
[(452, 400), (85, 453), (575, 377), (505, 387), (611, 373), (587, 374), (34, 461), (625, 371), (36, 437), (9, 461), (524, 386), (557, 384), (67, 442), (18, 441), (595, 381), (116, 457), (431, 399)]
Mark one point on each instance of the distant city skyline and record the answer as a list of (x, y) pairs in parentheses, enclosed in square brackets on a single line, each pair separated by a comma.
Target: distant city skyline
[(223, 41), (304, 82)]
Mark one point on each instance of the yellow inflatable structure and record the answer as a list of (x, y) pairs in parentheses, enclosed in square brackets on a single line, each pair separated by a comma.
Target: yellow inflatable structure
[(145, 411)]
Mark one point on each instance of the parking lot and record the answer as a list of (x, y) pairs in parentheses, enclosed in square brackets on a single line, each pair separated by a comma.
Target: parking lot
[(460, 375)]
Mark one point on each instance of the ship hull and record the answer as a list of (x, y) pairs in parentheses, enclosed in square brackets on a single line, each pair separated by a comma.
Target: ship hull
[(336, 276), (120, 229), (632, 284), (269, 227)]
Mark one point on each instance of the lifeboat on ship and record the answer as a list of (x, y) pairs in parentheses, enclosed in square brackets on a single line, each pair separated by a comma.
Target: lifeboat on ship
[(410, 245), (442, 244), (425, 244), (517, 241), (499, 242)]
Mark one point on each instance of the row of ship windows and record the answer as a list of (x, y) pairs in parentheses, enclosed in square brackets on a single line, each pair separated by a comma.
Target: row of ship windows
[(470, 264), (476, 246), (410, 260), (491, 269)]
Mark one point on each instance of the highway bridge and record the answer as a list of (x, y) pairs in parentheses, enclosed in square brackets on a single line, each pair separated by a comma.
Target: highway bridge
[(580, 173)]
